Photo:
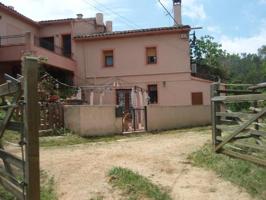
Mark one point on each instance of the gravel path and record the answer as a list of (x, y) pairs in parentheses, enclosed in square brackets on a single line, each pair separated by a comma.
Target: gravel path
[(80, 171)]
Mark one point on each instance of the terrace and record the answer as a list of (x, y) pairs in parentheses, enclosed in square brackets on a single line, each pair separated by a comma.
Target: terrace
[(13, 47)]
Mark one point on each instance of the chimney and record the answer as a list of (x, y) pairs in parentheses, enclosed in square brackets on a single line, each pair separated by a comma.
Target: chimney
[(79, 16), (99, 19), (109, 26), (177, 4), (11, 7)]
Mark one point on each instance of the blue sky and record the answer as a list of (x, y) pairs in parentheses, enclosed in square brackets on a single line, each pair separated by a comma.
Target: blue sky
[(240, 25)]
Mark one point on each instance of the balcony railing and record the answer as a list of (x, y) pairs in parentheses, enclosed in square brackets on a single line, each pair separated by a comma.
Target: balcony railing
[(50, 46), (16, 40), (12, 40)]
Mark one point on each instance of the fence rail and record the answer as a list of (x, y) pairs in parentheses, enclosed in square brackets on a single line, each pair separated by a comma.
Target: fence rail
[(238, 121), (12, 40)]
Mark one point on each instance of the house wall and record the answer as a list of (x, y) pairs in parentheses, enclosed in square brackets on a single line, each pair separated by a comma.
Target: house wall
[(171, 73), (10, 25), (130, 56)]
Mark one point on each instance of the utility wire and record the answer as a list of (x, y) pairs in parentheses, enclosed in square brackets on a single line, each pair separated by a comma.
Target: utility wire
[(168, 12), (108, 11), (117, 14)]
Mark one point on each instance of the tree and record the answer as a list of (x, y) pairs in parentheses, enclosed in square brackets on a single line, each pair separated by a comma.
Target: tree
[(208, 54)]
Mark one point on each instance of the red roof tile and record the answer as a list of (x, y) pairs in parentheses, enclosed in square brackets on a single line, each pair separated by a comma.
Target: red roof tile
[(17, 14), (128, 33)]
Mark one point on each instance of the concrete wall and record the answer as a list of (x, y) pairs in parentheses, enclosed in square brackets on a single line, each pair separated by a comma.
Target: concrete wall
[(100, 120), (172, 117), (92, 120)]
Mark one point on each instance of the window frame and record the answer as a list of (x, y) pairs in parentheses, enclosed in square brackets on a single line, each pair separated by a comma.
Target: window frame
[(195, 101), (157, 98), (146, 55), (104, 52)]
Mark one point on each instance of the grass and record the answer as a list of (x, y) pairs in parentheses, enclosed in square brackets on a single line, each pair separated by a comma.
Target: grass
[(136, 186), (47, 189), (240, 172)]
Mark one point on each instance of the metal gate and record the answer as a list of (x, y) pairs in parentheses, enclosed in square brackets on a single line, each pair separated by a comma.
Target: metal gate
[(135, 120)]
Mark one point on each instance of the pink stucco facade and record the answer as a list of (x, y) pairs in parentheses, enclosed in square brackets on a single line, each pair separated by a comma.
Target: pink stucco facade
[(171, 74), (90, 37)]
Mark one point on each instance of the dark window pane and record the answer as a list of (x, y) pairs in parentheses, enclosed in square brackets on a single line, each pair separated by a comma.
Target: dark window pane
[(153, 94), (47, 43), (151, 53), (109, 60), (152, 59)]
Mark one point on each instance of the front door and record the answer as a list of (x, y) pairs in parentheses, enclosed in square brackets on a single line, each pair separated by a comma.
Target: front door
[(123, 99)]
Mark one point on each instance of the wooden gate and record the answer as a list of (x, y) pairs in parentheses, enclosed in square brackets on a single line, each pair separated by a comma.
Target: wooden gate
[(20, 175), (238, 121)]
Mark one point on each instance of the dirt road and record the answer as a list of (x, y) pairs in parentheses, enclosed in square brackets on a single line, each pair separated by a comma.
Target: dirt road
[(80, 171)]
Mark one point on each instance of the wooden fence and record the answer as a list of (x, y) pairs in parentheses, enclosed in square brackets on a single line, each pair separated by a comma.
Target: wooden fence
[(238, 121), (51, 116), (20, 175)]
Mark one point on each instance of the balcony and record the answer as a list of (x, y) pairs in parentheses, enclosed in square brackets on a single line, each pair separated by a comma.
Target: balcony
[(13, 47)]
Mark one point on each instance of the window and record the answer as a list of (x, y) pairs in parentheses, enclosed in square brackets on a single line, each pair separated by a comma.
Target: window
[(153, 94), (151, 53), (197, 98), (108, 58), (47, 43), (66, 41)]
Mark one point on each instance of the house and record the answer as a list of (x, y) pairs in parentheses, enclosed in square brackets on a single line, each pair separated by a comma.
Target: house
[(113, 67)]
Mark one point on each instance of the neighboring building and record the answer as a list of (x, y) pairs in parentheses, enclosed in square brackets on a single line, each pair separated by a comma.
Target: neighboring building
[(107, 63)]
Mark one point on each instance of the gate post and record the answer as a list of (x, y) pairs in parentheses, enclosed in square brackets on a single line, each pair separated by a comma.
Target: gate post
[(215, 107), (30, 68), (146, 118)]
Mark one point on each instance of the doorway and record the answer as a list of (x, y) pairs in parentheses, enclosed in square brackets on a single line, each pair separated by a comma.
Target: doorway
[(66, 42)]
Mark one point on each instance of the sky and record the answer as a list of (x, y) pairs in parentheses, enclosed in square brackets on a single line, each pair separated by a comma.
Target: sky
[(239, 25)]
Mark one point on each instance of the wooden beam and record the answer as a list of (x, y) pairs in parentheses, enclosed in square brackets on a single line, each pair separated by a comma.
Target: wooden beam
[(12, 188), (5, 175), (11, 159), (258, 86), (251, 146), (244, 157), (240, 129), (13, 126), (235, 115), (31, 118), (239, 98), (238, 92)]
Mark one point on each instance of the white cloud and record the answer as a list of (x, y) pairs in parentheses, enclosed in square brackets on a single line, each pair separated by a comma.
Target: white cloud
[(244, 44), (54, 9), (214, 29), (193, 9)]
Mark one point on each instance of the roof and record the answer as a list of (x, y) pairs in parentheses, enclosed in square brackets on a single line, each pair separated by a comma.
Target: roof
[(15, 13), (66, 20), (132, 33)]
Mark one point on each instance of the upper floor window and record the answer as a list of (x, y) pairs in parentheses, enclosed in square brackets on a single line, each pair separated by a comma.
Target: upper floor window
[(197, 98), (153, 94), (108, 58), (47, 43), (151, 55)]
